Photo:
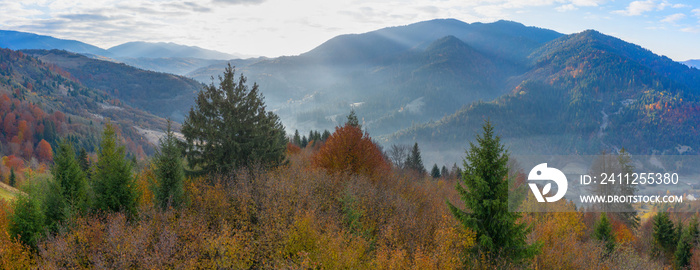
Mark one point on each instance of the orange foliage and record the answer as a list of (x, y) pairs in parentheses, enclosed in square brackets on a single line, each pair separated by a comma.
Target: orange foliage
[(13, 255), (14, 162), (347, 150), (292, 149), (45, 152)]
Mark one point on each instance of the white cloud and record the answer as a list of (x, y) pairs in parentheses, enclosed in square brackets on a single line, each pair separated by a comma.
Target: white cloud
[(568, 7), (637, 8), (673, 18)]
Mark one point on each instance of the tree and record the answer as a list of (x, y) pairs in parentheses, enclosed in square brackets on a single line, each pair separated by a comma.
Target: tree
[(84, 161), (352, 120), (347, 150), (664, 233), (684, 249), (45, 152), (114, 184), (398, 154), (485, 197), (444, 173), (326, 134), (69, 192), (415, 161), (229, 128), (13, 178), (603, 232), (296, 140), (170, 173), (435, 172), (304, 142), (27, 221)]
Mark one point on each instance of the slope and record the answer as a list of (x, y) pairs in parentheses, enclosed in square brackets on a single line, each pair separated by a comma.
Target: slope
[(140, 49), (20, 40), (165, 95)]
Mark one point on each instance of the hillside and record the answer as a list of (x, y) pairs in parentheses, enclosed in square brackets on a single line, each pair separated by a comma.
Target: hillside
[(42, 102), (162, 94), (140, 49), (20, 40), (584, 93), (396, 76)]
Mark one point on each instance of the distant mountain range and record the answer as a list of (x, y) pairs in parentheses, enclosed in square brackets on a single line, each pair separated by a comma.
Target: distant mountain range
[(692, 63), (20, 40), (435, 82), (140, 49)]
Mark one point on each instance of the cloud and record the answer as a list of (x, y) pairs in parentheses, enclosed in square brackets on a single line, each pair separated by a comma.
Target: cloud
[(239, 2), (564, 8), (673, 18), (637, 8)]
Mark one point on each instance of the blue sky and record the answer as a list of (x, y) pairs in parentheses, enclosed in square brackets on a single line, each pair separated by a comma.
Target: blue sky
[(284, 27)]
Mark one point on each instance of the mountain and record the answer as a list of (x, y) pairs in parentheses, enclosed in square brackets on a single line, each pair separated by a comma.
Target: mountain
[(140, 49), (173, 65), (583, 93), (41, 101), (162, 94), (20, 40), (692, 63), (395, 76)]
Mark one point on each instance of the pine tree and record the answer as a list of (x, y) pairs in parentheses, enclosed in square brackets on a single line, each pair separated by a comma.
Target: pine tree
[(296, 140), (169, 171), (352, 119), (444, 173), (114, 183), (12, 181), (414, 160), (485, 197), (684, 248), (69, 192), (229, 128), (603, 232), (435, 172), (304, 142), (27, 221), (325, 135)]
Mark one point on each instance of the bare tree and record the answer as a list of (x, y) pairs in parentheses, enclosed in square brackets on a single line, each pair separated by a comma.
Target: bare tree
[(398, 153)]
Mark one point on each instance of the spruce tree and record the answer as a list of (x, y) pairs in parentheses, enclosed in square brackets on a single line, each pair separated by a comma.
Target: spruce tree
[(485, 197), (435, 172), (664, 233), (69, 193), (603, 232), (326, 134), (114, 183), (304, 142), (12, 181), (352, 119), (414, 160), (444, 173), (229, 128), (296, 140), (27, 221), (169, 171), (684, 249), (83, 161)]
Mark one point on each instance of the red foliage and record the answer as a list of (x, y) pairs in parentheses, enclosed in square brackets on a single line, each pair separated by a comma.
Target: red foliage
[(347, 150), (292, 149), (14, 162), (45, 152)]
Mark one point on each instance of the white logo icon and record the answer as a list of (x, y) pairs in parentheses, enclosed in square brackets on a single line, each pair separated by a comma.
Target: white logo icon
[(542, 172)]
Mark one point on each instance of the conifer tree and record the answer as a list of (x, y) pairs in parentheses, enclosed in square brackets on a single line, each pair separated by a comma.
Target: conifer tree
[(169, 171), (684, 249), (83, 161), (603, 232), (435, 172), (12, 181), (304, 142), (485, 197), (664, 233), (296, 140), (229, 128), (325, 135), (114, 183), (352, 120), (444, 173), (414, 160), (27, 221), (69, 193)]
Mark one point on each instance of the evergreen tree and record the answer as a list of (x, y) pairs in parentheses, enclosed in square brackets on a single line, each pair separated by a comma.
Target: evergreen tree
[(13, 178), (485, 197), (27, 221), (414, 160), (444, 173), (304, 142), (311, 138), (114, 183), (435, 172), (229, 128), (169, 171), (352, 119), (603, 232), (684, 249), (84, 161), (296, 140), (664, 233), (69, 192)]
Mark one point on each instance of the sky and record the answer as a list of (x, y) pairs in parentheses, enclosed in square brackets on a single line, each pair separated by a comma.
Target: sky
[(290, 27)]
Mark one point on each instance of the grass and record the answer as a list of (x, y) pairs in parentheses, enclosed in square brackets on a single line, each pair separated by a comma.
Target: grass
[(7, 192)]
